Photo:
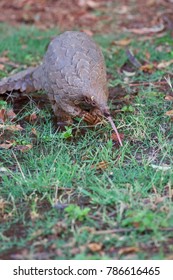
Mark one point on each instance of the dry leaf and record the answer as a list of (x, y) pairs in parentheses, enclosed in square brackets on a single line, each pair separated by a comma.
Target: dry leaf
[(169, 98), (81, 3), (123, 42), (146, 30), (101, 165), (34, 215), (88, 32), (124, 10), (128, 250), (4, 59), (164, 64), (16, 127), (88, 3), (2, 204), (147, 68), (129, 74), (33, 130), (92, 4), (37, 233), (2, 66), (164, 167), (6, 114), (114, 136), (147, 55), (2, 115), (95, 247), (6, 145), (32, 117), (23, 148), (10, 114), (151, 3), (3, 169), (169, 113), (159, 199)]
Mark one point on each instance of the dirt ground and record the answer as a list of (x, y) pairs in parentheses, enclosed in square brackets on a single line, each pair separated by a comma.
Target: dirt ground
[(92, 15)]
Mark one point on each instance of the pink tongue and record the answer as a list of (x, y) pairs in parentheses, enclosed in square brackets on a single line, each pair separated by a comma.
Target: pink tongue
[(115, 129)]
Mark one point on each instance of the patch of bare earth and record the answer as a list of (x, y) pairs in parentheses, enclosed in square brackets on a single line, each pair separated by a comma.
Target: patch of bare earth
[(94, 15)]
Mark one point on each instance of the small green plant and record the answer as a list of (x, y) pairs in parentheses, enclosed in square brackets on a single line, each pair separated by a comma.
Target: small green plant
[(76, 213), (3, 104), (67, 133), (128, 108), (143, 220)]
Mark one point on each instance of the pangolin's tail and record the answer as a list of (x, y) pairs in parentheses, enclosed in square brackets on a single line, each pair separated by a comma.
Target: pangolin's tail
[(24, 81)]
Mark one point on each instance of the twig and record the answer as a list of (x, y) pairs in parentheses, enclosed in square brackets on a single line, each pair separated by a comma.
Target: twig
[(110, 231), (135, 62), (124, 230), (148, 83), (18, 164), (166, 229), (15, 65)]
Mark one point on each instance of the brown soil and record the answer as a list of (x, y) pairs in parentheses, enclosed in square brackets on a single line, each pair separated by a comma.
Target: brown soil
[(93, 15)]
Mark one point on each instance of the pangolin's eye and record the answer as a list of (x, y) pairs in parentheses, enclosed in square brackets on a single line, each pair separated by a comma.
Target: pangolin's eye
[(93, 103), (87, 100)]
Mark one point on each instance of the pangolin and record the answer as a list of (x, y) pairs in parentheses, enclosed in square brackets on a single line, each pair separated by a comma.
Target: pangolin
[(73, 74)]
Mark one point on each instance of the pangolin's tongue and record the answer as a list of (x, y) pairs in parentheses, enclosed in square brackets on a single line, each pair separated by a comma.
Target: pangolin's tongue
[(115, 129)]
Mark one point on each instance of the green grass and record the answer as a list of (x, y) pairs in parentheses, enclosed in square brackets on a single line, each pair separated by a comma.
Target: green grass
[(55, 201)]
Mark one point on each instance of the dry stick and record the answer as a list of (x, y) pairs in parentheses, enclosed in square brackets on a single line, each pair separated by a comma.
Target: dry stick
[(18, 164), (115, 129), (124, 230), (148, 83), (134, 61), (111, 231), (166, 229)]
